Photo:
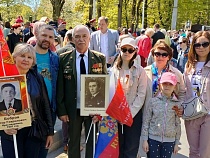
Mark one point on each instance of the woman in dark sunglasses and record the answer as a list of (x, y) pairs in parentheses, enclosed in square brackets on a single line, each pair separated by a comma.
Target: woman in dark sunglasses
[(162, 55), (197, 68), (183, 53), (134, 83)]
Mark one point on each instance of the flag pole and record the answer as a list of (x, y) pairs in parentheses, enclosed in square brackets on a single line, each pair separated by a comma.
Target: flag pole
[(89, 132), (2, 61), (94, 138), (15, 145)]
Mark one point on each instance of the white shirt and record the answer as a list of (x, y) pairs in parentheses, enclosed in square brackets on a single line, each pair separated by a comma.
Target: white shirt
[(7, 103), (196, 79), (78, 58), (104, 44)]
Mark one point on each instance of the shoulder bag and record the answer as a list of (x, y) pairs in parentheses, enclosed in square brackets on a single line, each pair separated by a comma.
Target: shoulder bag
[(194, 107)]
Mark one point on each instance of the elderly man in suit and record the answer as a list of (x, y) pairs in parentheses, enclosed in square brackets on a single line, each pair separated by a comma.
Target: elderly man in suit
[(105, 40), (8, 94), (72, 65)]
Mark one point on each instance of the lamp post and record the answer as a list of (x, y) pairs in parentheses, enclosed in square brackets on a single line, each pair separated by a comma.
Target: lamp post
[(142, 21), (174, 15)]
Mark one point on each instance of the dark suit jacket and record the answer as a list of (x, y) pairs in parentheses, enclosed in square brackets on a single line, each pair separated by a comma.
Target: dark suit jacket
[(67, 80), (13, 40), (17, 105), (95, 102)]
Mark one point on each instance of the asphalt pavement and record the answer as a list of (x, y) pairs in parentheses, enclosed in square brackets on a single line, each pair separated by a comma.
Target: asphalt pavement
[(183, 152)]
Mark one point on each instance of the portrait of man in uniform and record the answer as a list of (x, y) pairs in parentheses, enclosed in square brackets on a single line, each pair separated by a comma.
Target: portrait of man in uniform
[(8, 93), (94, 93)]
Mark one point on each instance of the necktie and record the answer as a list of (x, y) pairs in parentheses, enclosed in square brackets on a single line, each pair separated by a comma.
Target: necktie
[(82, 65), (10, 105)]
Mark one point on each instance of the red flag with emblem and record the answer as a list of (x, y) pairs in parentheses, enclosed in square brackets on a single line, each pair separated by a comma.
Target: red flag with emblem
[(7, 65), (119, 108)]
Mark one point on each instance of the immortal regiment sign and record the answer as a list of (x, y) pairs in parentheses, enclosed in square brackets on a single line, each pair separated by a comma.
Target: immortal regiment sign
[(94, 94), (14, 110)]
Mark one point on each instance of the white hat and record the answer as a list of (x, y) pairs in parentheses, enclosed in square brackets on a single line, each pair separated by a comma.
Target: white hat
[(128, 41)]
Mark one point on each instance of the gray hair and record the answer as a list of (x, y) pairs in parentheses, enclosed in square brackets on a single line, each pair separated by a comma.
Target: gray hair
[(48, 27), (23, 48), (78, 27), (150, 32)]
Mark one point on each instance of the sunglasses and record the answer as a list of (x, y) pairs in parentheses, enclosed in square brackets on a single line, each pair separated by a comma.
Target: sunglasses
[(130, 51), (198, 45), (158, 54), (181, 42)]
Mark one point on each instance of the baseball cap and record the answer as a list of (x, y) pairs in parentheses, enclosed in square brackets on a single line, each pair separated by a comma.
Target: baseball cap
[(168, 77), (92, 20), (128, 41), (16, 25)]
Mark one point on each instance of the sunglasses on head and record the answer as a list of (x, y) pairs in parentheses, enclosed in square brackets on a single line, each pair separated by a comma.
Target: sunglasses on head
[(130, 51), (204, 45), (158, 54)]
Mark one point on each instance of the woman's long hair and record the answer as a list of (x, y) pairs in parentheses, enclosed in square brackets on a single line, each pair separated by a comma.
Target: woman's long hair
[(192, 56)]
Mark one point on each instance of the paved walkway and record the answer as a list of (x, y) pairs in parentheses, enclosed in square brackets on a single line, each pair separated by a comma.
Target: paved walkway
[(183, 152)]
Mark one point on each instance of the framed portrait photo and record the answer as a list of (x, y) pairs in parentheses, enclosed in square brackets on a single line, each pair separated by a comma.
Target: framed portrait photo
[(94, 94), (14, 107)]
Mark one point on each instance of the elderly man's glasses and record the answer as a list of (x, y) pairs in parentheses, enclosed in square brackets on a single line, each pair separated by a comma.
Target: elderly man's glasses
[(130, 51), (158, 54), (198, 45)]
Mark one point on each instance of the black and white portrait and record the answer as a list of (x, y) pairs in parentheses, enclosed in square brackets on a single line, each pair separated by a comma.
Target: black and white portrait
[(95, 92), (10, 96)]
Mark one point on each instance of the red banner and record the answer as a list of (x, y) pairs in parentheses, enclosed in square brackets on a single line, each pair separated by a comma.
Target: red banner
[(7, 65), (119, 108)]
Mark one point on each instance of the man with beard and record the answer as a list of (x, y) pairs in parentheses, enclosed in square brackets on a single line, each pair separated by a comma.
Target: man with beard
[(47, 66)]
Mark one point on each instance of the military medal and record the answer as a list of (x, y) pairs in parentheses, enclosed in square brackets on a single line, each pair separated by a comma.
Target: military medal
[(10, 111)]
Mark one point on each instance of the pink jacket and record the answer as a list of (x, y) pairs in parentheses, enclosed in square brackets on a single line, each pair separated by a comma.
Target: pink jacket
[(144, 46), (206, 91)]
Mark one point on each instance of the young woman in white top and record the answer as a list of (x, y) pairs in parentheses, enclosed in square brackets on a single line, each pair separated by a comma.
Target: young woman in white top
[(133, 79), (197, 68)]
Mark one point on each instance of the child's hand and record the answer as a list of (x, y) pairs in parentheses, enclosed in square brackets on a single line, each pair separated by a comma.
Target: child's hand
[(145, 146), (176, 149), (178, 111)]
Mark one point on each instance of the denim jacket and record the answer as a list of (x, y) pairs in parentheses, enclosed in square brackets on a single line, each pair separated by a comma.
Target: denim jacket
[(182, 60), (54, 66)]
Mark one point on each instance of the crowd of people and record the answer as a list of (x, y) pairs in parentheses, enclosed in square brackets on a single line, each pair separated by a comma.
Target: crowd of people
[(158, 70)]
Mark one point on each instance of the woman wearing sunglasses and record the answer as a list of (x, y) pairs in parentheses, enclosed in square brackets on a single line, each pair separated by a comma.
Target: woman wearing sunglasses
[(197, 68), (162, 55), (134, 83), (183, 54)]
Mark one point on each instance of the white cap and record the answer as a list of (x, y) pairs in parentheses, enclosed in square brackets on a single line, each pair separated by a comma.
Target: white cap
[(128, 41)]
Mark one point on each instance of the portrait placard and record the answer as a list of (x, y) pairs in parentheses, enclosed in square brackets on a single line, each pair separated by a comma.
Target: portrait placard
[(14, 107), (94, 94)]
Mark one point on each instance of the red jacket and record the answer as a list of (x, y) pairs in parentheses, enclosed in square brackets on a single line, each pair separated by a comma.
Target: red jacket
[(144, 46)]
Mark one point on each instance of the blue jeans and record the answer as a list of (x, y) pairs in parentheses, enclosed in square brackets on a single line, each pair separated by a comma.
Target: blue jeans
[(159, 149)]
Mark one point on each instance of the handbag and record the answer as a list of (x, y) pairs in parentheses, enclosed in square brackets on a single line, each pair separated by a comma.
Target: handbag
[(38, 129), (194, 107)]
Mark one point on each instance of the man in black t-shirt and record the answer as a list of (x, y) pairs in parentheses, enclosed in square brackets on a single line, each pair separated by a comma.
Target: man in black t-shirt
[(158, 34)]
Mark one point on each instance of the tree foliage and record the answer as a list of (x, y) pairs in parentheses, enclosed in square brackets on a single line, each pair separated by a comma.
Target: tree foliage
[(79, 11)]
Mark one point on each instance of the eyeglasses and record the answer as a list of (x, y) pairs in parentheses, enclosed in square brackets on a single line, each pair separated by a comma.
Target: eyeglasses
[(130, 51), (158, 54), (198, 45)]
